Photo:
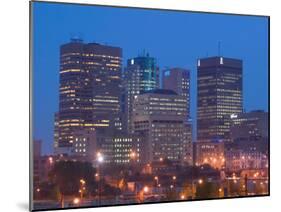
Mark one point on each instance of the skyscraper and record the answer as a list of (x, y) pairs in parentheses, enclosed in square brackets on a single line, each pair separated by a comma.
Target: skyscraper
[(160, 115), (140, 75), (219, 88), (178, 80), (90, 88)]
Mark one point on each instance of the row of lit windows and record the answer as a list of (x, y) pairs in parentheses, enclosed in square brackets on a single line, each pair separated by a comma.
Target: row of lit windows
[(103, 56)]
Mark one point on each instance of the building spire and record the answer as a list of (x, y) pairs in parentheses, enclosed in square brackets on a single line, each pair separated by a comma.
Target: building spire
[(219, 48)]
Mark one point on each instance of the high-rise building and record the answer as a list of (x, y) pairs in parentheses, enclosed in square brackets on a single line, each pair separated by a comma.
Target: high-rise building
[(219, 88), (90, 88), (178, 80), (140, 75), (160, 115)]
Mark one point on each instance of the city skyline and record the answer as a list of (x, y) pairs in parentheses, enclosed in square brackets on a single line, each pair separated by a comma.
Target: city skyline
[(147, 117), (43, 123)]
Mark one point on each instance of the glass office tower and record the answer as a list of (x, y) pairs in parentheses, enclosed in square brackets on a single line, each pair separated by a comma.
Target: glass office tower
[(219, 90), (140, 75)]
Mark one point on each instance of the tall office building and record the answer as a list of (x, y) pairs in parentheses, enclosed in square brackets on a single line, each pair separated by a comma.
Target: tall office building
[(160, 115), (90, 88), (178, 80), (140, 75), (219, 88)]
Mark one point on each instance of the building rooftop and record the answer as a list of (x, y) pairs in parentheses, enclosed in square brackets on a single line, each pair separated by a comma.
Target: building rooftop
[(160, 91)]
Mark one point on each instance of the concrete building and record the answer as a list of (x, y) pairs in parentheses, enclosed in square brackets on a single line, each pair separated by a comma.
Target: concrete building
[(85, 144), (211, 153), (129, 149), (249, 145), (188, 144), (42, 164), (238, 159), (249, 126), (160, 115), (178, 80)]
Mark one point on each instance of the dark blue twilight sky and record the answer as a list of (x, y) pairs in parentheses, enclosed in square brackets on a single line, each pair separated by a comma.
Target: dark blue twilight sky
[(174, 38)]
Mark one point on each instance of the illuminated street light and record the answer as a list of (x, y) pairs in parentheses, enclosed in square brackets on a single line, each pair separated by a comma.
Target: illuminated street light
[(51, 160), (76, 201), (174, 177), (82, 181), (156, 179), (200, 181), (160, 159), (100, 160), (38, 189), (145, 189), (182, 197), (100, 157)]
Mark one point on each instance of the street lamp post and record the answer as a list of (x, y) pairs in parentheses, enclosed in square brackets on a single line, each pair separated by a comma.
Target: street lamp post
[(174, 178), (99, 160), (156, 180), (82, 188)]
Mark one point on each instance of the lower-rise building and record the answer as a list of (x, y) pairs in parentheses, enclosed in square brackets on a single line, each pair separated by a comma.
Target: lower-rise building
[(211, 153)]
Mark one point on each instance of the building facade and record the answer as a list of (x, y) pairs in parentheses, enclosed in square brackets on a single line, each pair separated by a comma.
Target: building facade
[(129, 149), (178, 80), (248, 148), (219, 88), (160, 115), (249, 126), (141, 74), (211, 153), (90, 89)]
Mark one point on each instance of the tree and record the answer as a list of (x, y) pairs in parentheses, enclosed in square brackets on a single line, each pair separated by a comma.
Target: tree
[(207, 190), (66, 175), (171, 195)]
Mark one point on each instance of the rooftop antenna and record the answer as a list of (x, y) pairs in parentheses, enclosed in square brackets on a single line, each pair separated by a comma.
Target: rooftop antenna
[(76, 37), (219, 48)]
